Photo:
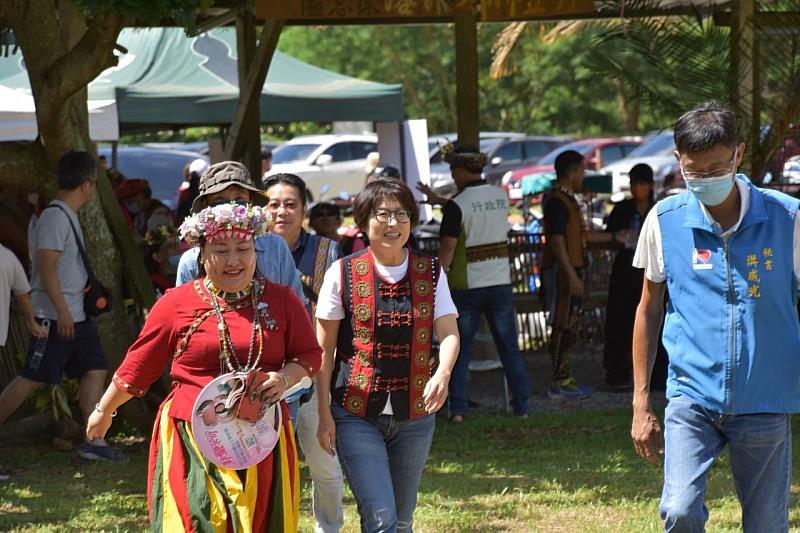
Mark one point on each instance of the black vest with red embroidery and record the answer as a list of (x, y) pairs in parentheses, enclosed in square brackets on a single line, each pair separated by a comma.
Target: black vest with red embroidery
[(384, 344)]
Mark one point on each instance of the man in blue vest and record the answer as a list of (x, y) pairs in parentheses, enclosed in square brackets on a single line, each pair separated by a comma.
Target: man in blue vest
[(728, 252)]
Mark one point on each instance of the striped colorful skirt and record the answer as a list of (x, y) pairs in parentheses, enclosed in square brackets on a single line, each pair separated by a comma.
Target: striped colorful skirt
[(186, 492)]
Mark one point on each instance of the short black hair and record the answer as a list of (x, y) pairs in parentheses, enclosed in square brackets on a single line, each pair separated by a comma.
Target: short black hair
[(266, 153), (641, 172), (367, 200), (708, 125), (291, 180), (75, 168), (388, 172), (566, 162), (327, 206)]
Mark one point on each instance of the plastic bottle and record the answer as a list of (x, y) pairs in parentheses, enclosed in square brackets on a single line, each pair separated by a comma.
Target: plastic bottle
[(632, 238), (39, 347)]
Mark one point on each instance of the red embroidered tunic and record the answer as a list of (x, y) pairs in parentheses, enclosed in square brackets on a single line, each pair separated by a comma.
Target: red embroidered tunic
[(182, 322)]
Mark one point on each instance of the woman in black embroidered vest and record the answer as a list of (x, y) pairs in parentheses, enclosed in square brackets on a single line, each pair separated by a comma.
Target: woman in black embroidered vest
[(376, 314)]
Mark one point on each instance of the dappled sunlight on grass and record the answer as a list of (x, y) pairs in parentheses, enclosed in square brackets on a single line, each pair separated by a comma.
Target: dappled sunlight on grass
[(495, 473)]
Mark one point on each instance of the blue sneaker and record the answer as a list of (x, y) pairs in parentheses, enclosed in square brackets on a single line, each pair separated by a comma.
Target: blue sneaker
[(95, 452), (569, 390)]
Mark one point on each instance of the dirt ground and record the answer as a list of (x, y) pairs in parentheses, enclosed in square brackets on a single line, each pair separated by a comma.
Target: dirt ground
[(486, 388)]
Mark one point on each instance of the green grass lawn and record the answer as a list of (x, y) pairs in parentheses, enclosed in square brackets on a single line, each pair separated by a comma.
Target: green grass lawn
[(562, 472)]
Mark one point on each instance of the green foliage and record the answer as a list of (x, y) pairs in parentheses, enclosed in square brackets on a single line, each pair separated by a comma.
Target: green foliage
[(552, 91), (692, 57), (182, 12)]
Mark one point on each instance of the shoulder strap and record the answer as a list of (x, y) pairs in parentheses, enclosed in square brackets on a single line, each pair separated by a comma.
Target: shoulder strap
[(81, 250)]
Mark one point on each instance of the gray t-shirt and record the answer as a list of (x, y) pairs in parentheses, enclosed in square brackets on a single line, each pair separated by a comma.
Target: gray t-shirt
[(53, 232)]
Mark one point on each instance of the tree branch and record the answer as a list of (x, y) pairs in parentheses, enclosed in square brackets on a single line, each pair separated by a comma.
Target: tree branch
[(87, 59)]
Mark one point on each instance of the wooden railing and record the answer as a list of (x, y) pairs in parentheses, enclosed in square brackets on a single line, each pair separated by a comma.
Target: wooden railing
[(525, 258)]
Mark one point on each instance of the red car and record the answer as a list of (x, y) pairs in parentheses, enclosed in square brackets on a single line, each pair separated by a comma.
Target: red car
[(598, 153)]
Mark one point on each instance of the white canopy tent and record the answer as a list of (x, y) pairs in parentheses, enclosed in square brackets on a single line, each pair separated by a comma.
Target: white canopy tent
[(18, 117)]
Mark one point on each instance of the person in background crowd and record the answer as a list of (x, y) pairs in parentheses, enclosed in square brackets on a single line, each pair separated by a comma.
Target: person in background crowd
[(190, 187), (146, 212), (71, 345), (325, 218), (163, 254), (372, 161), (229, 181), (376, 316), (387, 172), (12, 236), (474, 253), (729, 253), (230, 320), (624, 288), (313, 255), (14, 281), (266, 161), (562, 269)]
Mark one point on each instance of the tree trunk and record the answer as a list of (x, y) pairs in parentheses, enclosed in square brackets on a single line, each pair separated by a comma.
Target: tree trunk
[(63, 52)]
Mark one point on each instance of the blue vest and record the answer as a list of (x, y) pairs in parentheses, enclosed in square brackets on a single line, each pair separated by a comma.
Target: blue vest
[(731, 328)]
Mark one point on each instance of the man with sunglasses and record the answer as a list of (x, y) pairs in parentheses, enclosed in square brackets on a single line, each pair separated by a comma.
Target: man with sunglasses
[(728, 253)]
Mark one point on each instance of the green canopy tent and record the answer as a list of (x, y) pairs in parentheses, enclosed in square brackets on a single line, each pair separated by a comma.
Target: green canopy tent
[(168, 79)]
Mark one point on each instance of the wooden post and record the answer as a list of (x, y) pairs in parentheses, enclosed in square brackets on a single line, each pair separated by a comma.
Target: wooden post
[(742, 73), (250, 90), (246, 51), (467, 81)]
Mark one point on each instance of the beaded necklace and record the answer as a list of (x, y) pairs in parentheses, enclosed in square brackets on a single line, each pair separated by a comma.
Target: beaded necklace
[(228, 357)]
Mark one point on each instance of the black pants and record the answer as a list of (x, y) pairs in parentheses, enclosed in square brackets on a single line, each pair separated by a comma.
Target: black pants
[(624, 293)]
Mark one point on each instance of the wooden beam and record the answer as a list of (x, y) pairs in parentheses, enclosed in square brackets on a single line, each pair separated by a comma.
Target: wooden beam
[(467, 104), (741, 80), (250, 91), (246, 50)]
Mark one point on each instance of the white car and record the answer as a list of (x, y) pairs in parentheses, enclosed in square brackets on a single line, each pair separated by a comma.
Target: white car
[(656, 151), (334, 160)]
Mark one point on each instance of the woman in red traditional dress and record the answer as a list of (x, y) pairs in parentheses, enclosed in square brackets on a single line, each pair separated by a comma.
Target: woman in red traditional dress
[(381, 381), (229, 321)]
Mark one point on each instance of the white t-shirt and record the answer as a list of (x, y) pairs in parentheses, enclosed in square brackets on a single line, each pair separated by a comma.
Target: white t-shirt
[(329, 304), (12, 279), (650, 252)]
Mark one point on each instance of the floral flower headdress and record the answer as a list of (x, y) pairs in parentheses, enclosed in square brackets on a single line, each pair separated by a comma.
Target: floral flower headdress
[(225, 221), (155, 239)]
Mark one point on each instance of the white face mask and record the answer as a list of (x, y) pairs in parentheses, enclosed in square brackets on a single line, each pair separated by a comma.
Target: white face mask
[(711, 188)]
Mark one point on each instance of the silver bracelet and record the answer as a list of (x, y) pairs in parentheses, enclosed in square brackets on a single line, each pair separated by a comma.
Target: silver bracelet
[(285, 380), (97, 408)]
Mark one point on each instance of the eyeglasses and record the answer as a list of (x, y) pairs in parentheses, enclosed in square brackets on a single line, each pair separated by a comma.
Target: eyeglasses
[(712, 174), (384, 217)]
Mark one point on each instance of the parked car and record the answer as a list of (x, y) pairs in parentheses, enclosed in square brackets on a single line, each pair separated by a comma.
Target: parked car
[(658, 151), (333, 160), (597, 153), (163, 169), (504, 151), (201, 147)]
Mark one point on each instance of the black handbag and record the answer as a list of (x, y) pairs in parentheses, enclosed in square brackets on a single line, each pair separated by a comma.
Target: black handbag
[(96, 297)]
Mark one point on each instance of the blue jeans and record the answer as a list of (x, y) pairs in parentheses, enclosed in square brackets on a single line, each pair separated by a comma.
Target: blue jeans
[(383, 462), (497, 304), (760, 452)]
